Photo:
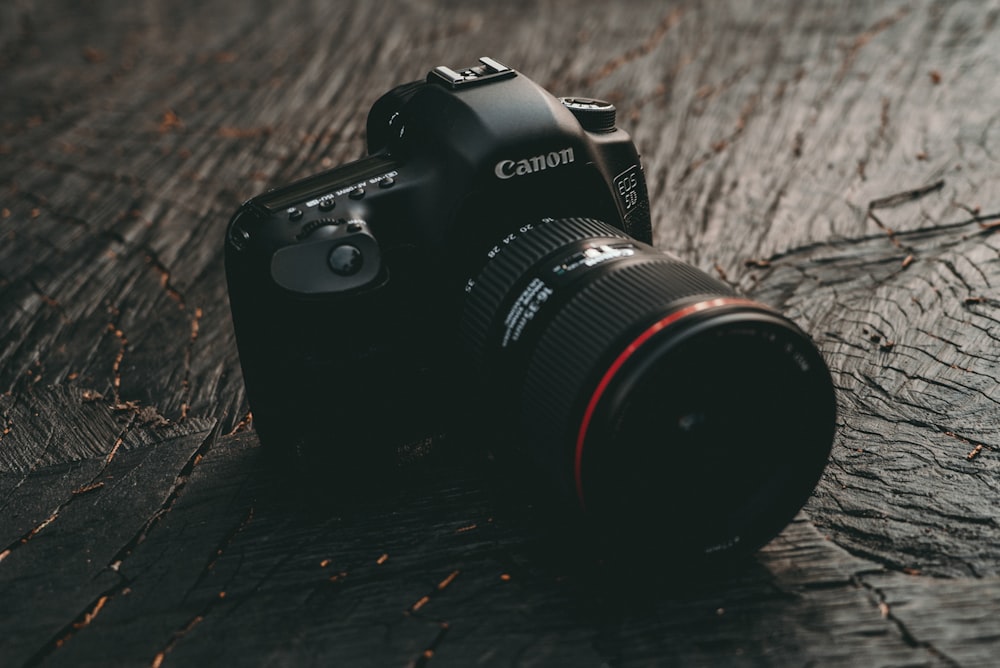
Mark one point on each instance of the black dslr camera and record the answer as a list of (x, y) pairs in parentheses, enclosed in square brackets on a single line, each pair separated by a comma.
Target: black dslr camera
[(490, 263)]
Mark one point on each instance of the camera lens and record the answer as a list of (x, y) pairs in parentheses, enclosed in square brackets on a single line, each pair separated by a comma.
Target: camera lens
[(656, 398)]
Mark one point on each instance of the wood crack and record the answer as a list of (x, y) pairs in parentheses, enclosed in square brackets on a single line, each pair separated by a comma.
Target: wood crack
[(859, 43), (178, 486), (103, 599), (194, 320), (429, 651), (647, 46), (880, 601), (220, 549), (82, 620), (94, 484)]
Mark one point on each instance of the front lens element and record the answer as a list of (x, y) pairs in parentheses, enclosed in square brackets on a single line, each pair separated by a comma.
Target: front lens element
[(714, 429)]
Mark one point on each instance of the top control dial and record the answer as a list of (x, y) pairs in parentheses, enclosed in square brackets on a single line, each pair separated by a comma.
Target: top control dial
[(594, 115)]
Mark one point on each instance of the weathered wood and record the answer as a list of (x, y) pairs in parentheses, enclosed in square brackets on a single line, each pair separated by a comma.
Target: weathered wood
[(838, 162)]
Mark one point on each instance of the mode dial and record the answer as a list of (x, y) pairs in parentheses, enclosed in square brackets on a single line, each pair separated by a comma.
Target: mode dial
[(594, 115)]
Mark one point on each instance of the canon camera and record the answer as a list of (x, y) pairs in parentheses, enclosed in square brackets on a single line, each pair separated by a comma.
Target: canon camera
[(490, 262)]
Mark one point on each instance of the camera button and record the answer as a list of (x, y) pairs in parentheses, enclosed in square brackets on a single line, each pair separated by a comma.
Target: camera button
[(239, 237), (357, 194), (327, 204), (345, 260), (593, 115), (294, 214), (387, 182), (355, 226)]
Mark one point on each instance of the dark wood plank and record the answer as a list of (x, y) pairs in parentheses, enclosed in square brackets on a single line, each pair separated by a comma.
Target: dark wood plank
[(914, 481), (429, 568), (66, 565), (838, 161)]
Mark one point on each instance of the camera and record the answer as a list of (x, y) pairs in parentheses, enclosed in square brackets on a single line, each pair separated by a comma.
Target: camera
[(489, 263)]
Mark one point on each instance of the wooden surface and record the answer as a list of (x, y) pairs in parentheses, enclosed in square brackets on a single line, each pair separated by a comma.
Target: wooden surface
[(840, 162)]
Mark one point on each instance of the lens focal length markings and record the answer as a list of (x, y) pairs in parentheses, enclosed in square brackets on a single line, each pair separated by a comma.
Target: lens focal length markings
[(527, 304), (540, 289), (510, 266)]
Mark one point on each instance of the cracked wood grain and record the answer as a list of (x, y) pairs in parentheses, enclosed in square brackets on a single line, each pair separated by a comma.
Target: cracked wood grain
[(64, 569), (299, 588), (838, 161), (912, 412)]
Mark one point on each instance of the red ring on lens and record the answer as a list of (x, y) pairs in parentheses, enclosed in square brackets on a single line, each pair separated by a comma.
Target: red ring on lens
[(615, 366)]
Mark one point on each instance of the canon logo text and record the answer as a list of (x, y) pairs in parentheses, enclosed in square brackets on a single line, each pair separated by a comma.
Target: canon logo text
[(505, 169)]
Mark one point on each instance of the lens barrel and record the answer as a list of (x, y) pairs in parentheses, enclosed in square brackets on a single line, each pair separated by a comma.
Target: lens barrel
[(655, 397)]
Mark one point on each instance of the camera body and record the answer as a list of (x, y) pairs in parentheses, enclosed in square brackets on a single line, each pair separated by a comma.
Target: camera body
[(346, 287), (489, 266)]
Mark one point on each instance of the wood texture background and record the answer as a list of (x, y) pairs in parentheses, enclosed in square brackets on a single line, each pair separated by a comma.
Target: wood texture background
[(840, 161)]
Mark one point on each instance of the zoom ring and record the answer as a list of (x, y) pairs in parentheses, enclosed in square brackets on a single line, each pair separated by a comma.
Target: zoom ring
[(510, 265)]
